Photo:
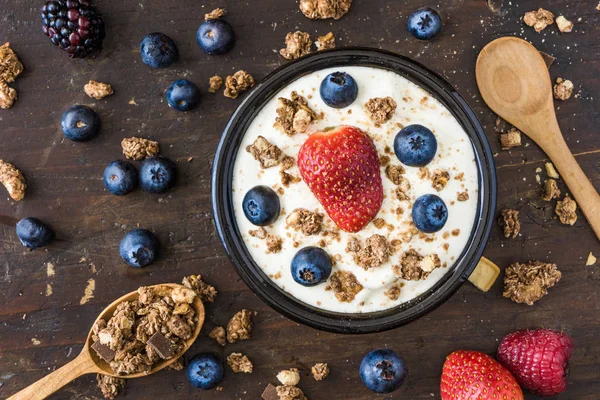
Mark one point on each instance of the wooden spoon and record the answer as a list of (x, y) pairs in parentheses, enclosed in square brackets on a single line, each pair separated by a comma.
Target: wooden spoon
[(514, 82), (88, 362)]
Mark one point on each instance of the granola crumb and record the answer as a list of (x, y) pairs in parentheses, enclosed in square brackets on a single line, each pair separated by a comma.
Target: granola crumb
[(509, 222), (240, 326), (394, 173), (325, 42), (324, 9), (380, 109), (8, 96), (297, 44), (294, 115), (379, 223), (563, 89), (527, 283), (539, 19), (219, 335), (591, 260), (320, 371), (13, 180), (393, 292), (439, 179), (240, 363), (289, 377), (274, 243), (510, 139), (217, 13), (462, 196), (415, 267), (264, 152), (306, 221), (238, 83), (290, 393), (110, 387), (135, 148), (287, 179), (564, 25), (345, 286), (97, 90), (376, 252), (260, 233), (566, 209), (10, 66), (551, 171), (403, 189), (455, 232), (384, 161), (551, 190), (207, 293), (214, 84)]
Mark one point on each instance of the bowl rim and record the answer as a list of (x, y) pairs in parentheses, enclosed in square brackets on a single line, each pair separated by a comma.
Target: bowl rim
[(254, 277)]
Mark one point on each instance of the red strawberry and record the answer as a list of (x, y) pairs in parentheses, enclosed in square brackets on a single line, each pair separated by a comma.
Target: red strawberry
[(471, 375), (539, 359), (341, 168)]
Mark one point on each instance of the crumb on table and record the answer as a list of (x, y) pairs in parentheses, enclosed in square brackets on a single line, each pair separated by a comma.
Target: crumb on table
[(324, 9), (539, 19), (97, 90), (289, 377), (10, 66), (240, 326), (563, 89), (527, 283), (8, 96), (566, 209), (325, 42), (297, 44), (217, 13), (551, 190), (215, 83), (564, 25), (240, 363), (135, 148), (510, 139), (109, 386), (320, 371), (13, 180), (238, 83)]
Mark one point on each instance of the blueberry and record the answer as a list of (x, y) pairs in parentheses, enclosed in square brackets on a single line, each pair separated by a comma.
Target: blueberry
[(339, 90), (158, 50), (33, 233), (383, 371), (138, 248), (425, 23), (311, 266), (80, 123), (183, 95), (157, 174), (205, 371), (429, 213), (261, 205), (415, 145), (120, 177), (215, 36)]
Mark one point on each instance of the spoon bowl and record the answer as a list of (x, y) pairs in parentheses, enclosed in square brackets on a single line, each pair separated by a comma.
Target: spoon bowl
[(88, 361)]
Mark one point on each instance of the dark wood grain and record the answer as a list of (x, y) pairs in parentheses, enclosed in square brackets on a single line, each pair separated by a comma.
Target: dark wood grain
[(66, 191)]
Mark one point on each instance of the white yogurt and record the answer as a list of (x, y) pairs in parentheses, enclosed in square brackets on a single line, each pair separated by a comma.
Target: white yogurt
[(415, 106)]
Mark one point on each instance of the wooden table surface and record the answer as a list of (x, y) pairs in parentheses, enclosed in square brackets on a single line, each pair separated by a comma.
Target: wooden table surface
[(40, 332)]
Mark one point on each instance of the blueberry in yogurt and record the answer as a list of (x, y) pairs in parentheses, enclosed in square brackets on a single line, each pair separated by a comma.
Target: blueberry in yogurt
[(338, 90), (183, 95), (205, 371), (425, 23), (415, 145), (383, 371), (215, 36), (429, 213), (261, 205), (311, 266)]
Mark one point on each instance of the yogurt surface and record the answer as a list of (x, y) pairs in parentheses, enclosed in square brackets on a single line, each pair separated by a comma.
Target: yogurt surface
[(414, 106)]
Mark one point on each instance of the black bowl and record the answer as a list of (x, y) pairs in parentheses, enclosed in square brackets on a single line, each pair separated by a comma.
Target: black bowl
[(236, 249)]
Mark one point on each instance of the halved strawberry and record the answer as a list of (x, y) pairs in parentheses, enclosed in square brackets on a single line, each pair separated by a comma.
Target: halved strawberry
[(341, 168), (471, 375)]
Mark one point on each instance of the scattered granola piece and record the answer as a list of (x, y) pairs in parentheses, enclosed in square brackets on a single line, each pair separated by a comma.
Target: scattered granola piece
[(325, 42), (260, 233), (376, 251), (240, 326), (240, 363), (307, 221), (485, 274), (10, 66), (97, 90), (510, 139), (551, 171), (509, 222), (219, 335), (439, 179), (379, 223), (215, 83), (294, 115), (564, 25), (551, 190), (591, 260), (566, 209), (527, 283), (8, 96), (274, 243), (264, 152), (380, 109), (297, 44), (415, 267), (394, 173), (563, 89), (137, 149), (13, 180), (462, 196), (110, 387), (393, 292), (320, 371), (238, 83), (289, 377), (287, 179), (323, 9), (287, 162), (402, 189), (215, 14), (345, 285), (539, 19), (203, 290), (290, 393)]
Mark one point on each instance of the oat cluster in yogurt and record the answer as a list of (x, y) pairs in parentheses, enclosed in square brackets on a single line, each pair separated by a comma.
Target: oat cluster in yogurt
[(426, 213)]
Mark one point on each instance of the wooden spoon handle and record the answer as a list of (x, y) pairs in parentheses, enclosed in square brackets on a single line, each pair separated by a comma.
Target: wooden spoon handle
[(586, 196), (49, 384)]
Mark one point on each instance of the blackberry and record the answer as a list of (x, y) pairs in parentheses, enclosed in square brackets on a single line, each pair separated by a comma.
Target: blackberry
[(73, 25)]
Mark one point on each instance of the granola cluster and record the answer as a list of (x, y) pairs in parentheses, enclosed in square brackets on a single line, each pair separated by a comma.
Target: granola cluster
[(97, 90), (551, 190), (240, 326), (13, 180), (238, 83), (215, 83), (539, 19), (324, 9), (509, 222), (320, 371), (529, 282), (110, 386), (380, 109), (265, 152), (394, 173), (297, 44), (293, 115), (274, 243), (376, 251), (289, 377), (415, 267), (307, 221), (135, 148), (439, 179), (219, 335), (345, 286), (8, 96), (10, 68), (240, 363), (564, 25), (566, 209), (563, 89), (217, 13), (204, 291), (394, 291)]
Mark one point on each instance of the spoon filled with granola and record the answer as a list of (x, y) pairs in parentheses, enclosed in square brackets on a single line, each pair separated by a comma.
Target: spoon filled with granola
[(135, 336)]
